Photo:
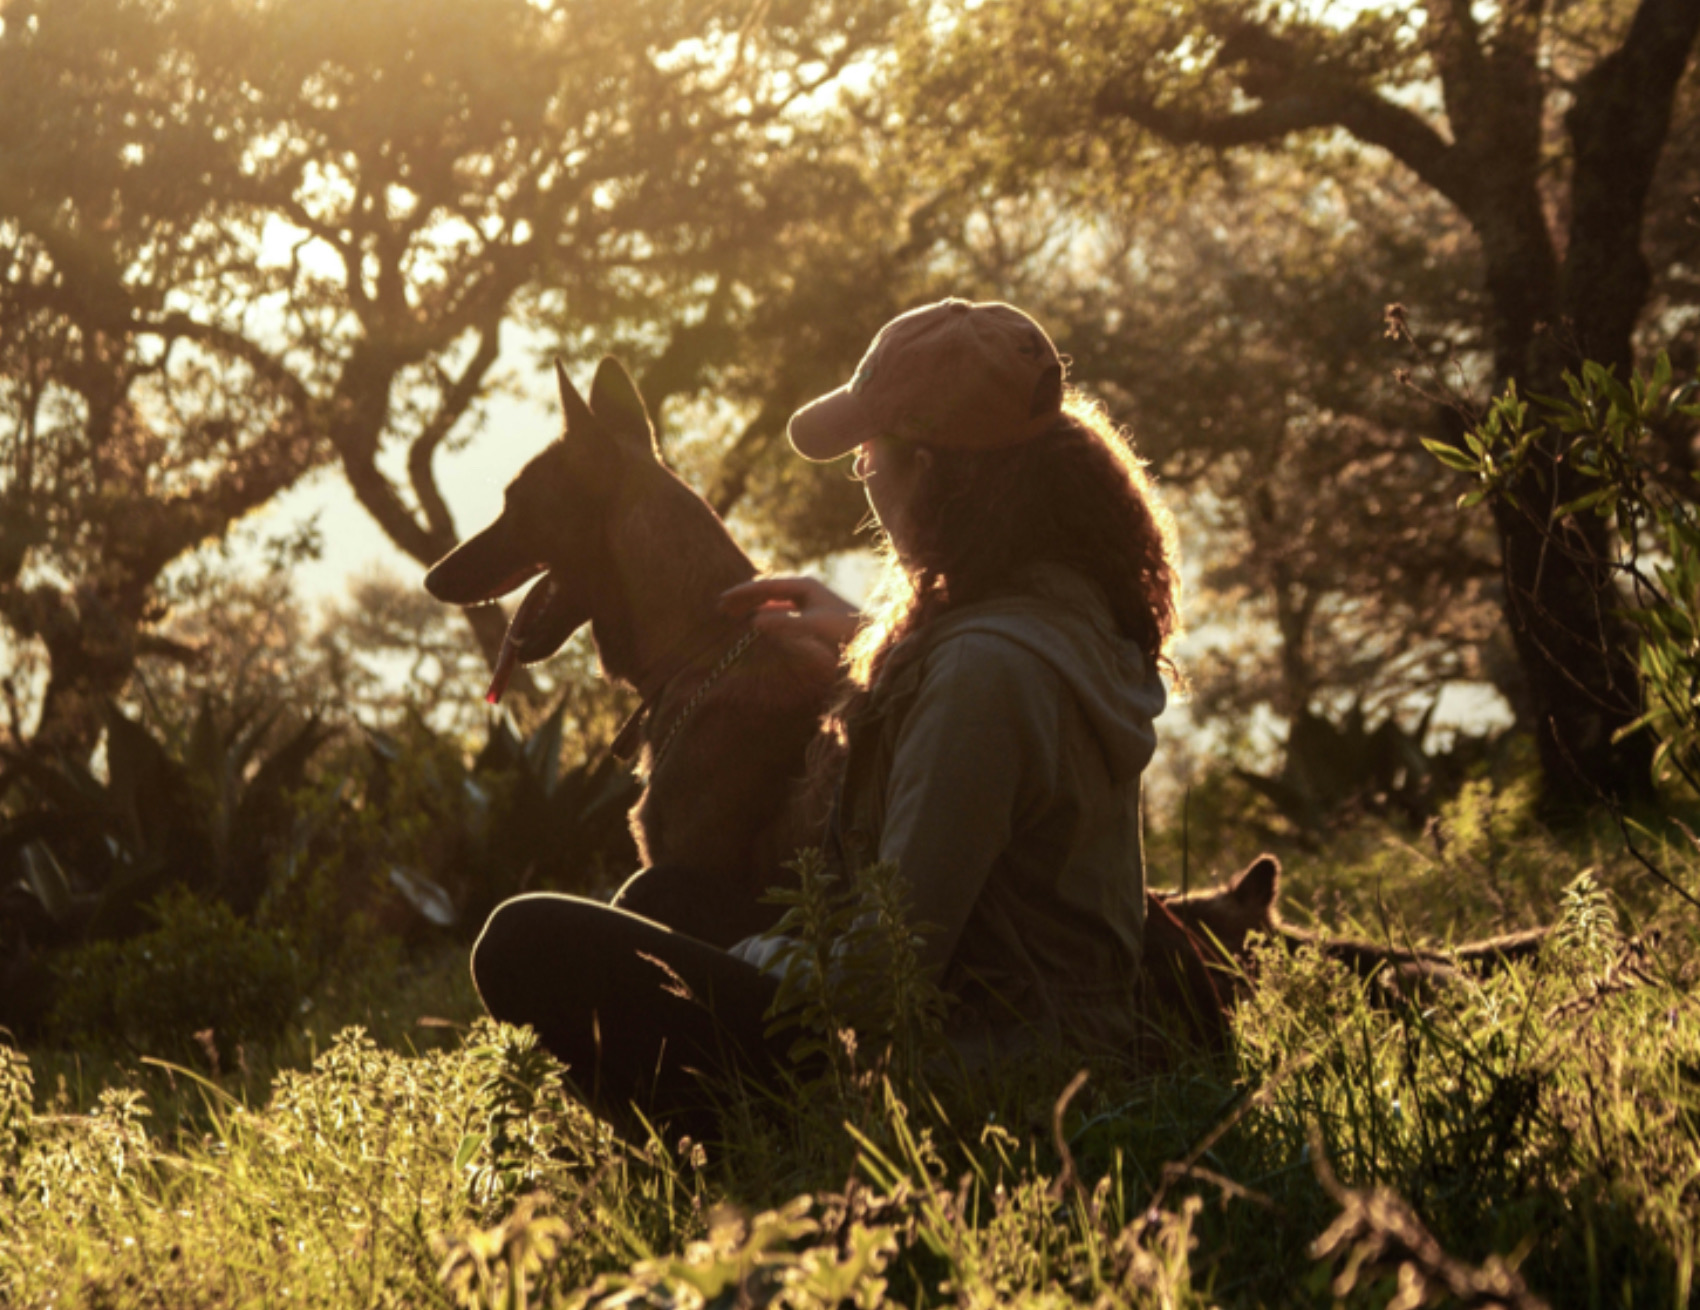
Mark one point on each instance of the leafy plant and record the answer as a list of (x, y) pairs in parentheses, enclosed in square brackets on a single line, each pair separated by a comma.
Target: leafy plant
[(851, 977), (200, 983), (459, 839), (203, 804), (1332, 767), (1604, 431), (520, 1118)]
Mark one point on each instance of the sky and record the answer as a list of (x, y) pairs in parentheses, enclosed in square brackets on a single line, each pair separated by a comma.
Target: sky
[(471, 479)]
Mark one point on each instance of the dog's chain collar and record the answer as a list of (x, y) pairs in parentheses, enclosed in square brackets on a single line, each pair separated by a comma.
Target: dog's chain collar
[(731, 657), (653, 685)]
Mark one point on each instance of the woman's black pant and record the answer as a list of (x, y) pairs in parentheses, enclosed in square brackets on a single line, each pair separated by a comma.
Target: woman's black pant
[(642, 1014)]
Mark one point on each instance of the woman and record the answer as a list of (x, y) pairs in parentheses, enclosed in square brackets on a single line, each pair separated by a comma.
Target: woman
[(998, 719)]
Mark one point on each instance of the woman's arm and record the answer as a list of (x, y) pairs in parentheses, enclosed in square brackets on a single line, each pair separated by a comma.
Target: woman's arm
[(978, 747), (976, 750)]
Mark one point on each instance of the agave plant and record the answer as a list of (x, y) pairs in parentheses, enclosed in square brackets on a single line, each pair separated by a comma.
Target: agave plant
[(204, 805), (1331, 767), (516, 819)]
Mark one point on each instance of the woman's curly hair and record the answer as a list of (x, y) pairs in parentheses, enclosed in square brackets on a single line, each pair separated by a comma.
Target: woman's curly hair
[(1075, 495)]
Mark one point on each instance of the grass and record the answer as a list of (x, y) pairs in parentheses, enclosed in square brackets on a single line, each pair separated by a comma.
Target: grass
[(1530, 1137)]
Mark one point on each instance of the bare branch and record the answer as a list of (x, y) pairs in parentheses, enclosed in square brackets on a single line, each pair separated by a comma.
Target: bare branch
[(457, 399), (1365, 115)]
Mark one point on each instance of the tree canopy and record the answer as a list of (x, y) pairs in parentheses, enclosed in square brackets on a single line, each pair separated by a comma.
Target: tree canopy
[(246, 240), (243, 240), (1542, 127)]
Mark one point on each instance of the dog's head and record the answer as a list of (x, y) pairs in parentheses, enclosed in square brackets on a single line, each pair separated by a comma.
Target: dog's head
[(552, 522), (1228, 915)]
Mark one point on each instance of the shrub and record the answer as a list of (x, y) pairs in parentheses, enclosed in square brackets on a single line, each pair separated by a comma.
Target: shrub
[(202, 980), (203, 803), (1605, 432)]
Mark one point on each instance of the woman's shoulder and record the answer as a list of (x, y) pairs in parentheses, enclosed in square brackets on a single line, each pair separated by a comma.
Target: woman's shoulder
[(1055, 626), (1052, 615), (997, 654)]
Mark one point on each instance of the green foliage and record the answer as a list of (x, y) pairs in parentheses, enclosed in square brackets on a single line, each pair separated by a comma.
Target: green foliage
[(199, 984), (1348, 766), (520, 1135), (767, 1260), (227, 870), (1587, 923), (16, 1087), (1606, 435), (1010, 1231), (348, 1185), (1492, 854), (498, 1266), (202, 804), (458, 839), (1516, 1110), (851, 975), (1482, 865), (1505, 1131)]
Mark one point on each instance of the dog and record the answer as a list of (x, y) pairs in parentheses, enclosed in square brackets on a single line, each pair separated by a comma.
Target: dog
[(615, 539), (1247, 907)]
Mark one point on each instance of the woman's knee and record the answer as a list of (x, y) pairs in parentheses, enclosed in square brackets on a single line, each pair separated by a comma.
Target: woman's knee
[(492, 960), (524, 942)]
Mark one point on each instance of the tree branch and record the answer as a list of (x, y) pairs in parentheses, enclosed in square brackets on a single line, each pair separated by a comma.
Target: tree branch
[(1365, 115), (180, 326), (732, 478), (457, 398), (1456, 48)]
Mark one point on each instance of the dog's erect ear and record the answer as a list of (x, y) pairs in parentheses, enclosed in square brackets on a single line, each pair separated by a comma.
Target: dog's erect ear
[(1258, 884), (619, 408), (579, 419)]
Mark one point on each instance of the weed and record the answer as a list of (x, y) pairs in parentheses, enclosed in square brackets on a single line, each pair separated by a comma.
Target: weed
[(1531, 1135)]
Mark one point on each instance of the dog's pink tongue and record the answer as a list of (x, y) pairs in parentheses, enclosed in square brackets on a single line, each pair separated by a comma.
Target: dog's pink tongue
[(535, 602), (505, 663)]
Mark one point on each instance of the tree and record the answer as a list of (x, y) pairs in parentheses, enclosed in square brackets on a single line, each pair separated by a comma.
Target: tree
[(142, 409), (243, 239), (606, 170), (1542, 127), (1235, 328)]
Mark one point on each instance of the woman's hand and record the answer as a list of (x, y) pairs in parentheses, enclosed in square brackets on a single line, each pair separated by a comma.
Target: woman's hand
[(804, 606)]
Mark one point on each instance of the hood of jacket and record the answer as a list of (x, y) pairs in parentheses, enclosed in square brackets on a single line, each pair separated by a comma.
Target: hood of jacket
[(1064, 619)]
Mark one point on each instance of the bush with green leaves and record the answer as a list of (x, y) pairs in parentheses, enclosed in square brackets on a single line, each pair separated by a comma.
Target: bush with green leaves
[(1332, 771), (1606, 432), (201, 803), (851, 979), (455, 839), (202, 981)]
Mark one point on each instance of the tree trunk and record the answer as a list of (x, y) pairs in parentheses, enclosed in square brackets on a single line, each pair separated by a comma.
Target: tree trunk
[(1575, 648), (1561, 597), (91, 651), (1561, 601)]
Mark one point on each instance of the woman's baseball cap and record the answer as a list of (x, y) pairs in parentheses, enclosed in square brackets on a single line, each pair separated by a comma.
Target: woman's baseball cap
[(956, 374)]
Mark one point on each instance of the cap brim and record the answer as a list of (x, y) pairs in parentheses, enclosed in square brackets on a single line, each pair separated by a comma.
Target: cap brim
[(832, 426)]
